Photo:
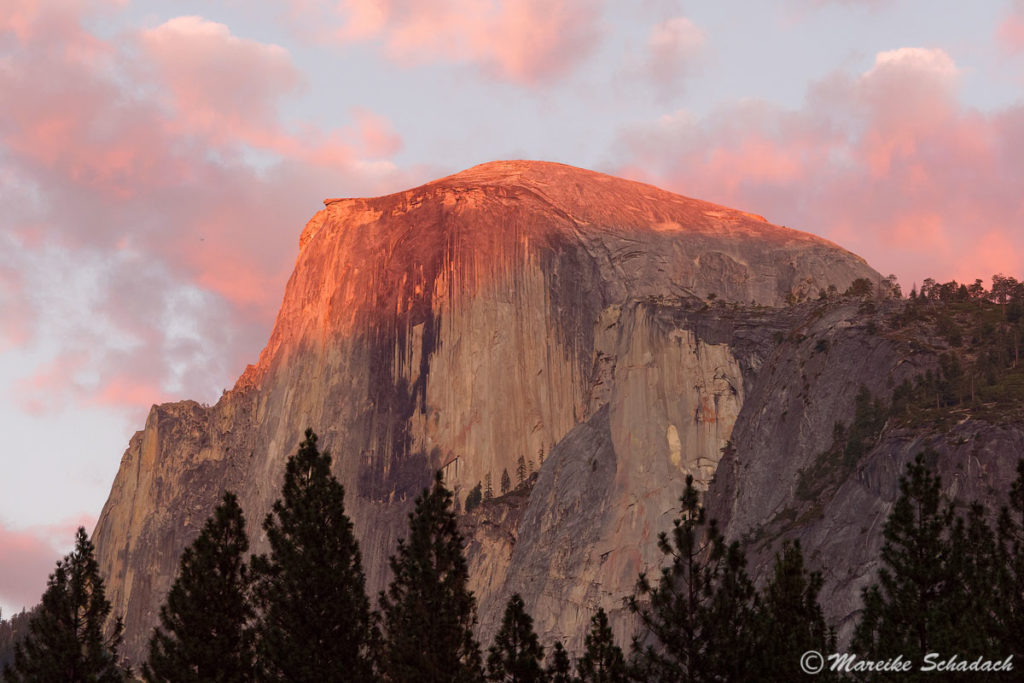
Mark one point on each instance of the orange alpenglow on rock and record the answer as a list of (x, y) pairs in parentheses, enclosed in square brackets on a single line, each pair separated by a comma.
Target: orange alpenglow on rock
[(464, 324)]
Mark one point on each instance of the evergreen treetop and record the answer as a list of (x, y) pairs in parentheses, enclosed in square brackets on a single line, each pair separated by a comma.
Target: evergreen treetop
[(559, 669), (1011, 556), (474, 498), (428, 612), (205, 631), (909, 610), (696, 621), (316, 623), (65, 640), (790, 619), (516, 654), (602, 660)]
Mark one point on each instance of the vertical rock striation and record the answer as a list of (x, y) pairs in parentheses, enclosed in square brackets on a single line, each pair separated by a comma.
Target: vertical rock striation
[(487, 316)]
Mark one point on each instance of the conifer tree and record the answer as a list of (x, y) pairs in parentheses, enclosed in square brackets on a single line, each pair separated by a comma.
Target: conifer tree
[(506, 482), (697, 620), (1011, 553), (11, 632), (205, 631), (516, 654), (980, 572), (488, 489), (311, 591), (521, 469), (428, 612), (65, 639), (727, 619), (602, 660), (790, 620), (559, 668), (910, 610), (474, 498)]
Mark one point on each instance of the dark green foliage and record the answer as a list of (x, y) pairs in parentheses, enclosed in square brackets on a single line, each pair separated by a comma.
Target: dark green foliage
[(1014, 311), (728, 626), (12, 631), (790, 620), (205, 631), (602, 660), (474, 498), (559, 667), (910, 611), (868, 419), (890, 288), (975, 335), (1011, 553), (949, 584), (506, 482), (979, 570), (861, 287), (831, 468), (65, 639), (316, 623), (1003, 289), (428, 612), (516, 655), (697, 621)]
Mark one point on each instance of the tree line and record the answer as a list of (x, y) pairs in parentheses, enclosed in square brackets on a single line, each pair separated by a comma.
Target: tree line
[(951, 582)]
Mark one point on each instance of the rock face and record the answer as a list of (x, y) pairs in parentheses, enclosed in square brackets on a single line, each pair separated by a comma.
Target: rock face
[(760, 494), (514, 308)]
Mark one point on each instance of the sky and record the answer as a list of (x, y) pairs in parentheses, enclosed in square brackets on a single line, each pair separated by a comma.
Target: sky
[(159, 158)]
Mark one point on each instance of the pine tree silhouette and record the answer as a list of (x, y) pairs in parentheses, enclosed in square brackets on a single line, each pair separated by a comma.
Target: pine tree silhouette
[(790, 620), (429, 614), (516, 654), (602, 660), (205, 630), (65, 639), (908, 611), (559, 668), (697, 621), (316, 623)]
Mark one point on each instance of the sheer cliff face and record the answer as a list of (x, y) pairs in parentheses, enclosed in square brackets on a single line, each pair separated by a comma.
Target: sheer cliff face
[(462, 325)]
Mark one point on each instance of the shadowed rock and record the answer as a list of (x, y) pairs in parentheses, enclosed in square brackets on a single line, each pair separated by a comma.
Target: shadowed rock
[(463, 324)]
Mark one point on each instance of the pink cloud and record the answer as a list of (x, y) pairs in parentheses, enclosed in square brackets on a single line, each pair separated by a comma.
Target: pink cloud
[(378, 139), (28, 556), (220, 85), (152, 250), (673, 45), (523, 41), (1010, 33), (887, 163)]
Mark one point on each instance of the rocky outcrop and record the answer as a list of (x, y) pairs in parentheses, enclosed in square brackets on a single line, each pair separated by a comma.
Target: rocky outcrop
[(762, 493), (512, 308)]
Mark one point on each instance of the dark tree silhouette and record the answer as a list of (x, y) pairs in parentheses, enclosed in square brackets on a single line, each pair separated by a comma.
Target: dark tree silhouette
[(516, 654), (697, 621), (311, 591), (205, 631), (908, 611), (602, 660), (65, 640), (429, 614)]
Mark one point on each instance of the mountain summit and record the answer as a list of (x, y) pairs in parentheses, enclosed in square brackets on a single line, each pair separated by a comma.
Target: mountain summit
[(514, 312)]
